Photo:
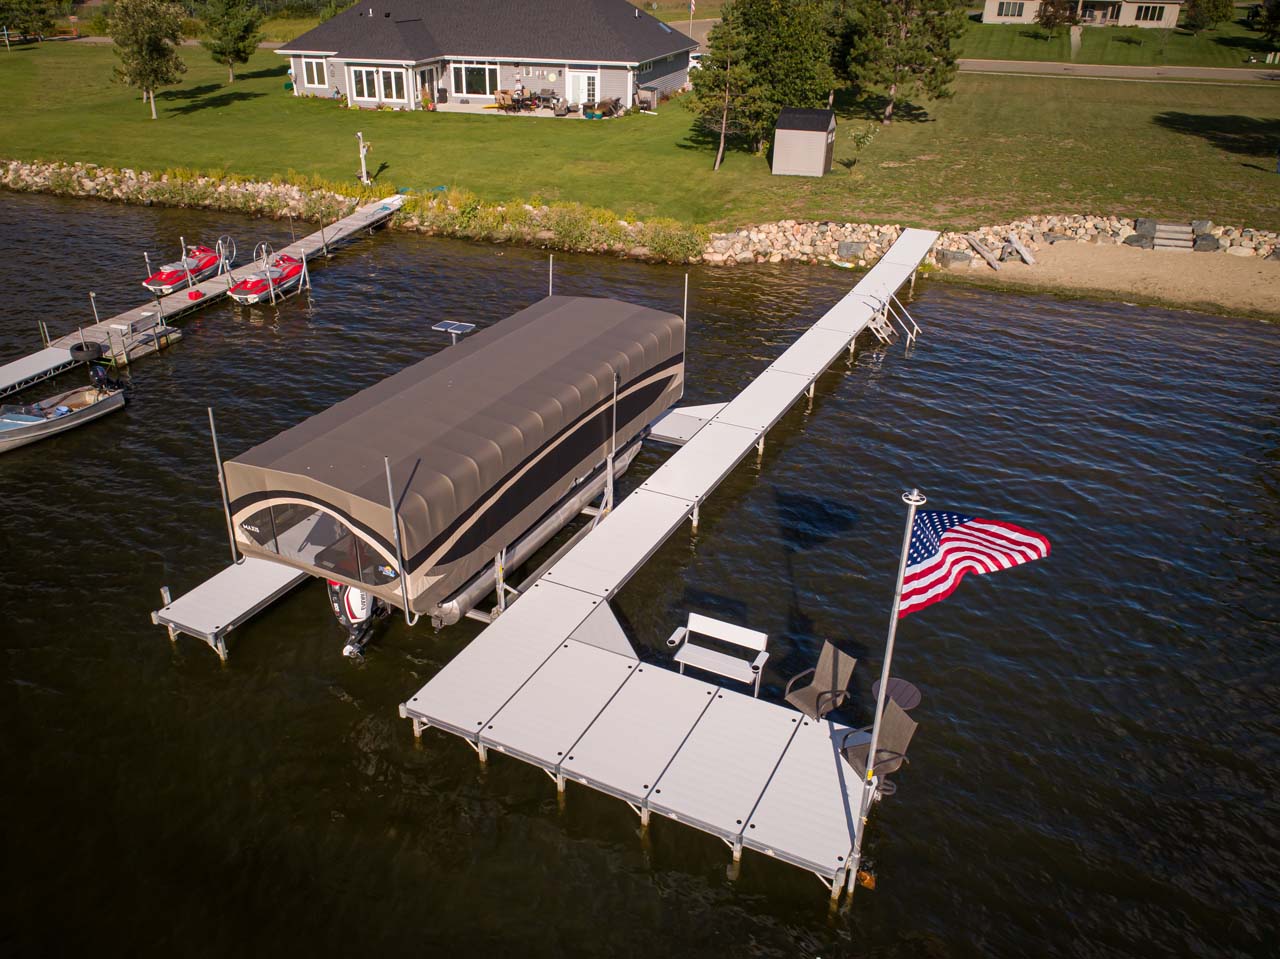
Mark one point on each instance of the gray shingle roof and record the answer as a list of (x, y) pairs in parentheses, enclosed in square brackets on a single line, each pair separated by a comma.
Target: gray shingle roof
[(800, 118), (554, 30)]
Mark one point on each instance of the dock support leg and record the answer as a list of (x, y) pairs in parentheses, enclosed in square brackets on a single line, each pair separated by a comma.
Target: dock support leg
[(168, 599), (912, 288), (483, 752), (418, 726), (693, 517), (220, 647)]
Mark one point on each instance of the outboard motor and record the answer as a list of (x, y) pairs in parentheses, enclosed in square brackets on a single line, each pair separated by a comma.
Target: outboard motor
[(357, 610), (100, 380)]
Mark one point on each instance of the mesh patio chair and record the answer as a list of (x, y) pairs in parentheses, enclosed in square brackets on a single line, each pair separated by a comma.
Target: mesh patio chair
[(896, 730), (828, 686)]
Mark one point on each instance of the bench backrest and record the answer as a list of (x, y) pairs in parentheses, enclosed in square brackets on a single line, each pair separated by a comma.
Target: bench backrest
[(727, 632)]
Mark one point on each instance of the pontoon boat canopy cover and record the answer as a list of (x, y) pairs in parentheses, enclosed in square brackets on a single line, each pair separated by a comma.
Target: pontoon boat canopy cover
[(483, 438)]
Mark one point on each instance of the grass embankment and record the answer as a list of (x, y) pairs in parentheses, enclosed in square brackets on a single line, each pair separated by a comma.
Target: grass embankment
[(1001, 148), (1230, 45)]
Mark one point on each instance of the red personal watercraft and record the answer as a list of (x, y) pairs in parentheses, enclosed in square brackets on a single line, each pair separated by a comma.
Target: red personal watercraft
[(198, 263), (281, 276)]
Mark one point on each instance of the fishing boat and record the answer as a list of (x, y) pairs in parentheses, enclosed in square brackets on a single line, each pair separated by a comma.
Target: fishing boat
[(281, 276), (20, 425), (427, 489), (198, 264)]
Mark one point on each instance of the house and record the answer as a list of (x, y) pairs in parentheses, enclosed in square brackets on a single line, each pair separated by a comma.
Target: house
[(1096, 13), (803, 142), (409, 54)]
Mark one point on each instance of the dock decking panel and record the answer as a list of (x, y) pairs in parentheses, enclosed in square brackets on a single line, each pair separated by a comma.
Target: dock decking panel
[(468, 692), (629, 745), (558, 703), (764, 401), (698, 467), (808, 811), (716, 778), (226, 600), (29, 370), (621, 544), (813, 353)]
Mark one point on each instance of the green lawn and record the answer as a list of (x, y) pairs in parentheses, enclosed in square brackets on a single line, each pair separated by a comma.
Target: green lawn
[(1230, 45), (1002, 147), (677, 11)]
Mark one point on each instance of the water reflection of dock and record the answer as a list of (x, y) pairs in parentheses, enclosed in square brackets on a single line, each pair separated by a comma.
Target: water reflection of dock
[(147, 329)]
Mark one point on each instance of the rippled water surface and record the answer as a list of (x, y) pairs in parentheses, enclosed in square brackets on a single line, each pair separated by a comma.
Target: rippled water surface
[(1096, 769)]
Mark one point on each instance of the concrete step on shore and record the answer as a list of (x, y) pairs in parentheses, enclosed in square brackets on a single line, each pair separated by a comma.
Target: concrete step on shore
[(1174, 242)]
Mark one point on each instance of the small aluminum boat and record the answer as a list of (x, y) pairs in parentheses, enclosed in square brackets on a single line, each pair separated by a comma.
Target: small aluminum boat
[(20, 425), (198, 264), (281, 277)]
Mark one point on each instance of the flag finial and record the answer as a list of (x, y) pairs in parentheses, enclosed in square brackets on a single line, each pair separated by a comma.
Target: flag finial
[(914, 498)]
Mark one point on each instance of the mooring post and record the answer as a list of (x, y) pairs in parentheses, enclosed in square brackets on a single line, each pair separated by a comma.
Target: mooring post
[(551, 272), (147, 259)]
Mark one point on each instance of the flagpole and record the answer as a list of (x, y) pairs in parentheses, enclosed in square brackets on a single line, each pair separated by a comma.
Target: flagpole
[(691, 4), (914, 500)]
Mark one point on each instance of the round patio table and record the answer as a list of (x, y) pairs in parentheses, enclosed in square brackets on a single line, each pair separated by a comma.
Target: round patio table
[(901, 692)]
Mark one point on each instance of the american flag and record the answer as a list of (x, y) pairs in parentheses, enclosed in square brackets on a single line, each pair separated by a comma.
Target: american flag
[(946, 546)]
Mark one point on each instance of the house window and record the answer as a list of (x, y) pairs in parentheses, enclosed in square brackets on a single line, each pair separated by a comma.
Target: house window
[(313, 74), (392, 84), (1009, 9), (1149, 13), (364, 84), (475, 79)]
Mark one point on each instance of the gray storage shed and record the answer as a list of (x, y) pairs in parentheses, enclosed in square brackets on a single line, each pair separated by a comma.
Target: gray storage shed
[(803, 142)]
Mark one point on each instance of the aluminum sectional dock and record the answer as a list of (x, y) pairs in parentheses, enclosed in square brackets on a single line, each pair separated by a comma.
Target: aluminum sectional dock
[(147, 329), (542, 685)]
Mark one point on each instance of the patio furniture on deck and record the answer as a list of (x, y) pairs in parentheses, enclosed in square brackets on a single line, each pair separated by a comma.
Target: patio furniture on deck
[(828, 686), (896, 730), (714, 661)]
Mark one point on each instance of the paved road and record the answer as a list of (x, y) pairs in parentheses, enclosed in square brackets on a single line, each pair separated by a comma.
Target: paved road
[(1126, 73)]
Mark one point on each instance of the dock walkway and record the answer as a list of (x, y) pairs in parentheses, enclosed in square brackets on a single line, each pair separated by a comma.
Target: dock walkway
[(535, 686), (147, 329)]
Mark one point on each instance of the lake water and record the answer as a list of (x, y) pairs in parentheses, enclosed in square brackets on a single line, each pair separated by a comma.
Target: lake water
[(1095, 773)]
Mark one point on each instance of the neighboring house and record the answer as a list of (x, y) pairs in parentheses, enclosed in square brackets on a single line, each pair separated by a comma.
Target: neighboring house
[(407, 54), (1097, 13)]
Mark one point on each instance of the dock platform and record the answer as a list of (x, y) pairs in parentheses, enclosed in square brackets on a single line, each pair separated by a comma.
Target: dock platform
[(147, 329), (30, 370), (227, 600), (755, 774)]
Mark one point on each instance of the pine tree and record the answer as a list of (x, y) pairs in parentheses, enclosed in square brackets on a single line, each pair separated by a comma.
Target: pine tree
[(147, 34), (902, 48), (27, 18), (232, 32), (773, 54), (724, 88), (1207, 14)]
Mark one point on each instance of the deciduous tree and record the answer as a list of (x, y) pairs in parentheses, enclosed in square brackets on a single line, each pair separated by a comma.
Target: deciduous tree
[(902, 48), (232, 35), (1057, 13), (1207, 14), (1269, 21), (147, 34)]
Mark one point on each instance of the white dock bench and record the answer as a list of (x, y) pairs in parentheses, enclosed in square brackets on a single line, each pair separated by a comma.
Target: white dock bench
[(227, 600), (755, 774), (689, 653)]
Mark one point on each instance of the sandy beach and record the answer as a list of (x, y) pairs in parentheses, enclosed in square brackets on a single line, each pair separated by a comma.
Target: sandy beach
[(1210, 282)]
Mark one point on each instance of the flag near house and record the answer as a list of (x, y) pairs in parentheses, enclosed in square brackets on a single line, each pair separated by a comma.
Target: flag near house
[(946, 547)]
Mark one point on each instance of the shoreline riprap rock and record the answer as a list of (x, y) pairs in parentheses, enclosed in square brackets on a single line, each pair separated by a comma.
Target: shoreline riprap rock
[(864, 243), (581, 229)]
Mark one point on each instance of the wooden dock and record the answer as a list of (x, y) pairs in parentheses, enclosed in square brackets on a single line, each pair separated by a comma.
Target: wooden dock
[(150, 328)]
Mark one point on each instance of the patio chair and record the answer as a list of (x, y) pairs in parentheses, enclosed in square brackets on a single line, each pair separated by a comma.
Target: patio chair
[(896, 730), (828, 686)]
